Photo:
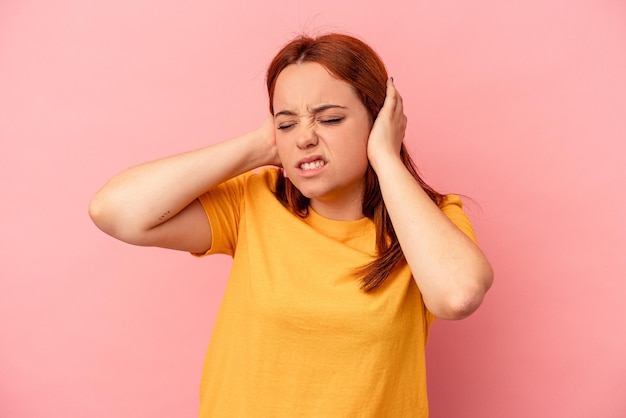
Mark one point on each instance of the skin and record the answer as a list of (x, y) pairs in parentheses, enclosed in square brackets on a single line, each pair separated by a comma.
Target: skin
[(155, 203)]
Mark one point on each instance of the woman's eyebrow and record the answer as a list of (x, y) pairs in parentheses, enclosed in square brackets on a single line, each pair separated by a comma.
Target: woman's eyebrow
[(323, 107), (312, 110)]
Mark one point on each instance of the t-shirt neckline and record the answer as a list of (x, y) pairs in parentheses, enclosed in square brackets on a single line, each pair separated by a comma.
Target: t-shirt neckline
[(338, 228)]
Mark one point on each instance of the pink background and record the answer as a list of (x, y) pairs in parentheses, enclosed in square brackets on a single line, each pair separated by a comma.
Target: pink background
[(519, 105)]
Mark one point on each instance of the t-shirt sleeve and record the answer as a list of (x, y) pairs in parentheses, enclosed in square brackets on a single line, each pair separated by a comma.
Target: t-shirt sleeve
[(223, 206), (452, 207)]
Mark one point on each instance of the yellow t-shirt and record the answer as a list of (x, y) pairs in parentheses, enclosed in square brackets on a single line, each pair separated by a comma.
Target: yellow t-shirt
[(295, 336)]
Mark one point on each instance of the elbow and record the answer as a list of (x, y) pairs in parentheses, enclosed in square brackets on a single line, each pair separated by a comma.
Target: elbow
[(105, 214), (102, 214), (462, 306), (97, 212), (113, 217), (466, 299)]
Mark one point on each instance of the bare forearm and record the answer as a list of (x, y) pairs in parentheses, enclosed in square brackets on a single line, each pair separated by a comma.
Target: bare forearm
[(147, 195), (450, 270)]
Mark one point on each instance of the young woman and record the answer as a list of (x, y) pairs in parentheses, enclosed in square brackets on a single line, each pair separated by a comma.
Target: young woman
[(342, 255)]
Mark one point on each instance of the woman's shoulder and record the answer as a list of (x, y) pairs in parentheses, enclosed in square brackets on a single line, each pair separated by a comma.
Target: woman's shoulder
[(451, 200), (262, 179)]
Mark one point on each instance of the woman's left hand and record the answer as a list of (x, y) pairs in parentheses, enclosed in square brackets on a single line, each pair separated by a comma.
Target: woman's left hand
[(388, 130)]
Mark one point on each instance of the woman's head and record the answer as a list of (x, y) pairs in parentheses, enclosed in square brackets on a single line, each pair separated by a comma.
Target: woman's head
[(347, 58), (351, 61)]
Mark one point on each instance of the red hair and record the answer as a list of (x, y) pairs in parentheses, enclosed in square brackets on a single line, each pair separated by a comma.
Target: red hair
[(351, 60)]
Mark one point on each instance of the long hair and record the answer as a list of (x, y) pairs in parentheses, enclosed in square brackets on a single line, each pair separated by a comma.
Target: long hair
[(356, 63)]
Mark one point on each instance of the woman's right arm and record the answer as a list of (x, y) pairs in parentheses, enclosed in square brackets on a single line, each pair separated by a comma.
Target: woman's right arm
[(155, 204)]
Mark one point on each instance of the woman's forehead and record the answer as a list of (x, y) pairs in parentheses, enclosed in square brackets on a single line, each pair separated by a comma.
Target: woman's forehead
[(311, 85)]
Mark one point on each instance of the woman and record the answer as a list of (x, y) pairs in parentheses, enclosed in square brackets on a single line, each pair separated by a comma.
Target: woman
[(342, 255)]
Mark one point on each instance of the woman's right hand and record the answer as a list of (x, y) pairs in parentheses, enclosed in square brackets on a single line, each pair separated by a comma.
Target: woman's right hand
[(267, 136)]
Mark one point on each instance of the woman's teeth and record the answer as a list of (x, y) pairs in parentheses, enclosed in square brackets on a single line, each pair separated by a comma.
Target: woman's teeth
[(312, 165)]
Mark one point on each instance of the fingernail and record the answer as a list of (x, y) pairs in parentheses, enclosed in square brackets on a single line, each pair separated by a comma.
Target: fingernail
[(391, 79)]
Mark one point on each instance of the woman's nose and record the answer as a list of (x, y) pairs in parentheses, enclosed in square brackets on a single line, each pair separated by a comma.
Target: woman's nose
[(307, 137)]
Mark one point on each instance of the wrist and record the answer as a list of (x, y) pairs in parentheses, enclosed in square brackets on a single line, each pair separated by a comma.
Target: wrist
[(259, 150), (379, 160)]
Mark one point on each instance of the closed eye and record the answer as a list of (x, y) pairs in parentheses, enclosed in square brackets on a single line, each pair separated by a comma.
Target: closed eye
[(285, 126), (331, 121)]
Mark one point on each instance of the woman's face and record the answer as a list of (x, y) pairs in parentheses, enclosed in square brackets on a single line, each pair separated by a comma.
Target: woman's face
[(322, 128)]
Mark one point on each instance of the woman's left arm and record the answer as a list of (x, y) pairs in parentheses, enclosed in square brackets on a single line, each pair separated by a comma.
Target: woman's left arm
[(451, 272)]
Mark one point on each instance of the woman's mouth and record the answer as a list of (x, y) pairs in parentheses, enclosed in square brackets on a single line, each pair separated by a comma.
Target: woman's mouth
[(312, 165)]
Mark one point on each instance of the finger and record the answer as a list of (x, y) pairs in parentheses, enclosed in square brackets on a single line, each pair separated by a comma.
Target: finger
[(389, 103), (392, 91), (398, 104)]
